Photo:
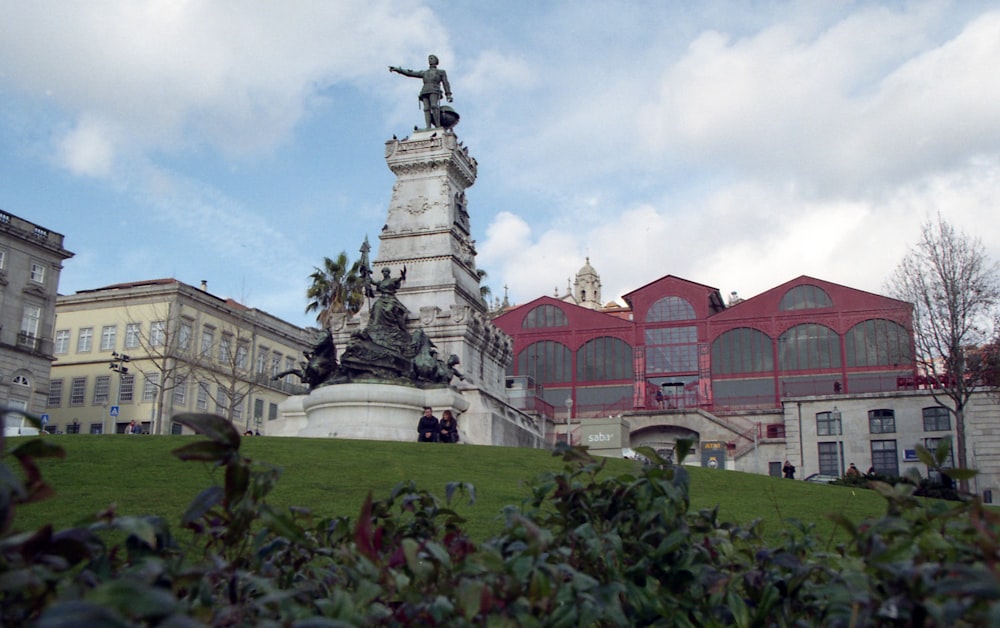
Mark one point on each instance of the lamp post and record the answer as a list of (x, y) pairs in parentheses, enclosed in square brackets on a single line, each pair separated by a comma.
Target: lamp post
[(569, 421), (117, 365), (836, 417)]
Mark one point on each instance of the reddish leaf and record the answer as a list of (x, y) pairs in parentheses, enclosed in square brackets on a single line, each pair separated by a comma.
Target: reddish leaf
[(363, 532)]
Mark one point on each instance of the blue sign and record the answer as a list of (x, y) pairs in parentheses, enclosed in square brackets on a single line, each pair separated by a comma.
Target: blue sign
[(45, 419), (114, 410)]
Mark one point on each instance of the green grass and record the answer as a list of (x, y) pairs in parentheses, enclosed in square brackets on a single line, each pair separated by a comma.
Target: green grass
[(332, 477)]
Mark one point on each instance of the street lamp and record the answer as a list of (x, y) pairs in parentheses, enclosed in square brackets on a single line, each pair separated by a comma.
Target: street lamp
[(836, 417), (569, 421), (117, 365)]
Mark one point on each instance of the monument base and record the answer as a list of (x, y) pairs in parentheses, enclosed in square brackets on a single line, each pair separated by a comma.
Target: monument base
[(390, 412), (362, 411)]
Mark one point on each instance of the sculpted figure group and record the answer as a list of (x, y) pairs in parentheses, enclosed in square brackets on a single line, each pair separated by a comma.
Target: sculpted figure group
[(383, 350)]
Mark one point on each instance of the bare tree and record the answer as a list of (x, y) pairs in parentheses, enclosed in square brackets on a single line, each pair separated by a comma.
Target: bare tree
[(158, 348), (955, 291), (230, 366)]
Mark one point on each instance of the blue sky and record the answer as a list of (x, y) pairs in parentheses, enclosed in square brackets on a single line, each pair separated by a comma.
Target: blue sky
[(736, 144)]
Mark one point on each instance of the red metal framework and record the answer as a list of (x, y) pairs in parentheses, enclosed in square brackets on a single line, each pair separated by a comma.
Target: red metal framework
[(814, 337)]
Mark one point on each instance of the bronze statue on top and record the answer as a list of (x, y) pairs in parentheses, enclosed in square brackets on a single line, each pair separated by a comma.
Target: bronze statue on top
[(435, 115)]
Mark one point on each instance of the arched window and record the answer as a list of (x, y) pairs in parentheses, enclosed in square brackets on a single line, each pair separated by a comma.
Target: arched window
[(671, 350), (808, 346), (21, 380), (805, 297), (604, 358), (546, 361), (670, 309), (878, 342), (544, 316), (742, 350)]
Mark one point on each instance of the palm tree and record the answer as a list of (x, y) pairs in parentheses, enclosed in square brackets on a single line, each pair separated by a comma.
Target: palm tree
[(484, 290), (336, 287)]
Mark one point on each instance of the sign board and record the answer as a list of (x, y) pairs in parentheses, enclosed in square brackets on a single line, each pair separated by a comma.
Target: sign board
[(45, 419), (604, 437), (713, 454), (114, 410)]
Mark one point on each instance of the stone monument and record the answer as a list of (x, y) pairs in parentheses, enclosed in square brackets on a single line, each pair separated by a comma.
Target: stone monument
[(429, 296)]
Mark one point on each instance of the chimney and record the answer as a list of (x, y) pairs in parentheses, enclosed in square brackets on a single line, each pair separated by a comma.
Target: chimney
[(204, 285)]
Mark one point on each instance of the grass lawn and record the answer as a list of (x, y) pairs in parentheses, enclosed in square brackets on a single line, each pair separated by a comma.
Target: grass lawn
[(332, 477)]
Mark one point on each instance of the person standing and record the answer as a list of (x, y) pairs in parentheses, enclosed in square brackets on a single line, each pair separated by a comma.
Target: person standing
[(448, 428), (133, 428), (428, 427), (788, 470)]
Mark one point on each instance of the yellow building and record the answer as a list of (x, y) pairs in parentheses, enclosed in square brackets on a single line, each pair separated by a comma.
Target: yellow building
[(148, 350)]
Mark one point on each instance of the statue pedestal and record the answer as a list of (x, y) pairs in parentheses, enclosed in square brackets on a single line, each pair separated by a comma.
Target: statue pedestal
[(367, 411), (427, 230)]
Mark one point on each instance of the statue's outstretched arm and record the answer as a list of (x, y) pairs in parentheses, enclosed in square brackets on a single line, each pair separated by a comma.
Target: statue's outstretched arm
[(405, 72)]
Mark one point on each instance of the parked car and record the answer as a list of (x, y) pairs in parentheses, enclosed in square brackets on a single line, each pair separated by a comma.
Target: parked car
[(820, 478), (20, 431)]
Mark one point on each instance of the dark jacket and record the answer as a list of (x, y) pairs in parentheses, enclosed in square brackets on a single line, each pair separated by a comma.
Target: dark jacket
[(448, 430), (428, 424)]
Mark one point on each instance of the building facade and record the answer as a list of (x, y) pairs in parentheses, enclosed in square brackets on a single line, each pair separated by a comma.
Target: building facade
[(146, 351), (812, 372), (678, 345), (31, 258), (881, 431)]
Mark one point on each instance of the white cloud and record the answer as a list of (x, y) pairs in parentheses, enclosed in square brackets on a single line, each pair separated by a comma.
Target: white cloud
[(186, 74), (87, 149), (856, 105)]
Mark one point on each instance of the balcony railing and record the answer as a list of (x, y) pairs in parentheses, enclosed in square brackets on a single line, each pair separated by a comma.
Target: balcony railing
[(29, 341)]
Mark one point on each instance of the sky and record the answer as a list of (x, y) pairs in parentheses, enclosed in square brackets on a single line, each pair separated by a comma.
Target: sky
[(734, 144)]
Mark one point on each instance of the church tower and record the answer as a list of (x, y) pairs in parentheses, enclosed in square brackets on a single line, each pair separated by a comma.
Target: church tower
[(587, 287)]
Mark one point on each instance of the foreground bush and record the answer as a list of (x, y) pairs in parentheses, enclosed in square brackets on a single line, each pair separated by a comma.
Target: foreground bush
[(583, 549)]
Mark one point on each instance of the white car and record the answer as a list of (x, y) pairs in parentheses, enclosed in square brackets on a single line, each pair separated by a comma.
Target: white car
[(20, 431), (820, 478)]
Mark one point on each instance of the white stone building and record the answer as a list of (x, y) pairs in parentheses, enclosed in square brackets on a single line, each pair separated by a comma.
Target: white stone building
[(31, 259)]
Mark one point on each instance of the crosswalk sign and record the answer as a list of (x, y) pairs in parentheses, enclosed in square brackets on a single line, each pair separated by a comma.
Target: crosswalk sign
[(114, 410)]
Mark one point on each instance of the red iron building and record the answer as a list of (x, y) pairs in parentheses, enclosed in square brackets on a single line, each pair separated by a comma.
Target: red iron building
[(679, 345)]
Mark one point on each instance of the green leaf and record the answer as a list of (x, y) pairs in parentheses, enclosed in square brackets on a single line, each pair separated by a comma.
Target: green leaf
[(682, 448), (80, 613), (139, 527), (283, 525), (237, 481), (38, 448), (205, 501), (215, 427), (960, 474), (11, 483), (926, 457), (207, 451), (134, 598)]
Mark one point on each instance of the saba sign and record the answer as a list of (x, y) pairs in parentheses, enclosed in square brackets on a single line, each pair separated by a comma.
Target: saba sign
[(609, 434)]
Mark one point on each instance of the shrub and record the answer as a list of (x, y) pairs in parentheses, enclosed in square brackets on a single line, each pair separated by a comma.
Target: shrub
[(584, 548)]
